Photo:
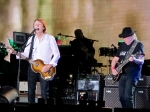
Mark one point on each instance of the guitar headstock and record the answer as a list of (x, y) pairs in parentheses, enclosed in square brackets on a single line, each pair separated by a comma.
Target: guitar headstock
[(2, 45)]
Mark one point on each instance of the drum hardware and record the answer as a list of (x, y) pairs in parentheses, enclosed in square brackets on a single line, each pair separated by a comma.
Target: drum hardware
[(110, 52), (103, 51), (106, 51), (64, 35)]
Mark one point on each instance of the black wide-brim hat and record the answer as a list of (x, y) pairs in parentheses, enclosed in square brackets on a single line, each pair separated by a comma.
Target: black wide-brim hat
[(126, 32)]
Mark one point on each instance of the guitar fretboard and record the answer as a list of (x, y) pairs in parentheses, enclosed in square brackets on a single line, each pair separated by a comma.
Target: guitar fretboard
[(121, 65), (23, 57)]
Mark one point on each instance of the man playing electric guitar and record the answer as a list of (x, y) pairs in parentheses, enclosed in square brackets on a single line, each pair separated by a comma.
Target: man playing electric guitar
[(131, 67), (45, 55)]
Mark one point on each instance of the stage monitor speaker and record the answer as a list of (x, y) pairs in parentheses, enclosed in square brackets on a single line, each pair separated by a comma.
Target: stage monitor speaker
[(111, 97), (142, 98), (8, 94)]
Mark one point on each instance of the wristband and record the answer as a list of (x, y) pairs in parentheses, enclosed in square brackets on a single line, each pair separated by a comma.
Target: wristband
[(112, 67)]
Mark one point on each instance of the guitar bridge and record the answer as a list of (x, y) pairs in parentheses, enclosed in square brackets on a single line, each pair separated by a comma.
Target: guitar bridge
[(48, 77)]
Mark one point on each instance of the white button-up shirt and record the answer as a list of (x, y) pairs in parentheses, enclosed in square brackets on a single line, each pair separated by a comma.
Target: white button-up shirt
[(45, 49)]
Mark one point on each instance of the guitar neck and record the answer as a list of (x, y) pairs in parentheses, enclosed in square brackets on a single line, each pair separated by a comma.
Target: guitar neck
[(122, 65), (127, 60), (22, 56), (16, 53)]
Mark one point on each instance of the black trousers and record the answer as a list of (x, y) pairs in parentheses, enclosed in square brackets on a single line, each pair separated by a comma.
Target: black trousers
[(33, 78)]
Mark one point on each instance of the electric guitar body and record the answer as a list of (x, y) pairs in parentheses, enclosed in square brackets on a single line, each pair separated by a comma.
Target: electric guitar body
[(37, 66)]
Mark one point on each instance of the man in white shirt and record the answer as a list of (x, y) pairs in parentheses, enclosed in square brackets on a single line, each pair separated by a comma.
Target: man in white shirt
[(44, 59)]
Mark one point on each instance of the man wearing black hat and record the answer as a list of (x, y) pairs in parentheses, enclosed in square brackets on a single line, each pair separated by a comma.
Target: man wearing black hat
[(126, 66)]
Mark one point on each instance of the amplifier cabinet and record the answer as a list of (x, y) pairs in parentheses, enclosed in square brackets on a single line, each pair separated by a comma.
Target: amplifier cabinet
[(142, 98), (144, 81), (109, 81), (111, 97)]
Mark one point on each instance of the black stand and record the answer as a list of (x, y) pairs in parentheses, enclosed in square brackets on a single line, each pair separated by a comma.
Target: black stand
[(20, 50), (18, 76), (109, 65)]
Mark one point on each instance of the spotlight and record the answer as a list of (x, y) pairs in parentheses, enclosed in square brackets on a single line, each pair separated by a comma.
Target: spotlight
[(8, 94)]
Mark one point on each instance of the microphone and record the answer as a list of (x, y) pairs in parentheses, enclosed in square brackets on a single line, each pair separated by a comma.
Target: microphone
[(34, 30)]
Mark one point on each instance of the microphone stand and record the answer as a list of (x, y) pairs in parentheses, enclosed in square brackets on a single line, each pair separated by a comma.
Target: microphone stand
[(18, 76), (20, 50)]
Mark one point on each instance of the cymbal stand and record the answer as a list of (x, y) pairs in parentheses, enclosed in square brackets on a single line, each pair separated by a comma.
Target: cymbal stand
[(109, 64), (109, 55)]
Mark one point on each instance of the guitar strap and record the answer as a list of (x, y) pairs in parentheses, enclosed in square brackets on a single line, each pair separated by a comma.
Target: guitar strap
[(31, 47), (131, 49)]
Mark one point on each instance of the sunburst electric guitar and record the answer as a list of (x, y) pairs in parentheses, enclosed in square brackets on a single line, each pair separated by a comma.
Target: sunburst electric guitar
[(36, 65), (120, 66)]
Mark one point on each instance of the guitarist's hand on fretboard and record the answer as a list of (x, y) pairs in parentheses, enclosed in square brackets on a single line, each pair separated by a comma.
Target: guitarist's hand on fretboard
[(132, 58)]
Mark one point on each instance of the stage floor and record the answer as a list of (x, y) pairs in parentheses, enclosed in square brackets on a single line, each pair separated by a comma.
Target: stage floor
[(24, 98)]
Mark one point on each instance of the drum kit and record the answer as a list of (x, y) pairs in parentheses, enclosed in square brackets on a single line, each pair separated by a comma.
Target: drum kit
[(106, 51)]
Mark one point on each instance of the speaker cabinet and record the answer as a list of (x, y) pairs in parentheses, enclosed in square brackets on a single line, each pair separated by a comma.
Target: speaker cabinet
[(109, 81), (142, 98), (144, 81), (111, 97)]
